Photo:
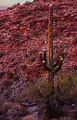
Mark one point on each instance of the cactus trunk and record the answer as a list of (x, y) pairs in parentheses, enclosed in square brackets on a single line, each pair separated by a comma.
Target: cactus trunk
[(50, 44)]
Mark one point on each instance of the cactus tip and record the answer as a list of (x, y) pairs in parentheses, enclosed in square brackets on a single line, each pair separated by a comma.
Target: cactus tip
[(61, 59), (39, 52), (50, 5), (43, 61), (44, 49)]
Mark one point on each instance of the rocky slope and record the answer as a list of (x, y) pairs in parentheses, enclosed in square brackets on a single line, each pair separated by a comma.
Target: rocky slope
[(23, 34)]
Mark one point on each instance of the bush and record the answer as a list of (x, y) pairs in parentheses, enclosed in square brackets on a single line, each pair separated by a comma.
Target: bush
[(21, 7), (16, 5), (1, 54), (12, 65), (6, 82), (9, 74), (75, 40), (23, 67), (56, 33), (50, 104), (34, 50), (37, 15), (21, 97), (1, 74), (35, 32), (15, 77), (67, 85), (16, 34), (31, 59), (15, 22)]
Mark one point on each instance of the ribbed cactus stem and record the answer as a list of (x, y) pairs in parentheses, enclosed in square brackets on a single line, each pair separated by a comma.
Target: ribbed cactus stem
[(50, 43), (50, 36)]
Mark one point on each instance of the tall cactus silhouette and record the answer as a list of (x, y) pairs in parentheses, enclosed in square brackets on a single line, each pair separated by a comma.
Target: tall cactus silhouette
[(49, 66)]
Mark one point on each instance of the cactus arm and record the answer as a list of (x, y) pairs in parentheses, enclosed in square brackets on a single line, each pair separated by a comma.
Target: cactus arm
[(44, 56), (57, 68), (56, 64), (46, 67), (40, 57)]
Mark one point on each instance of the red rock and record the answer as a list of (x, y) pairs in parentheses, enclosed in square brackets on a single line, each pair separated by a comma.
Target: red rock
[(28, 117)]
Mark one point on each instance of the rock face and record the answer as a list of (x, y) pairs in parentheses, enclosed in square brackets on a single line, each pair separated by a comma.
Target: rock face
[(23, 34)]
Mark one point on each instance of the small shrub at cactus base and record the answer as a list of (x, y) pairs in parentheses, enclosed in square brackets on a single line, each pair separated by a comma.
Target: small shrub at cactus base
[(65, 92)]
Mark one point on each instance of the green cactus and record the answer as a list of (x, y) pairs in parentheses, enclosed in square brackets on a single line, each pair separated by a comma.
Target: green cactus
[(50, 67)]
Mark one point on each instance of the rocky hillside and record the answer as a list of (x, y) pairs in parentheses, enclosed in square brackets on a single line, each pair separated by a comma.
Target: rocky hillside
[(24, 33)]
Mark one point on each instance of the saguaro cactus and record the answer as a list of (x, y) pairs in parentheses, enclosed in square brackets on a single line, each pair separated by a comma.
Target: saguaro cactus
[(49, 66)]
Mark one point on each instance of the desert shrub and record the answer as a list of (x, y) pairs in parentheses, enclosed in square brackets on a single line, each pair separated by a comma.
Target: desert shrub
[(12, 64), (34, 32), (60, 23), (34, 50), (27, 2), (37, 15), (15, 77), (50, 104), (23, 67), (1, 74), (56, 33), (21, 7), (39, 91), (14, 5), (6, 82), (9, 74), (31, 58), (16, 34), (1, 101), (44, 0), (67, 85), (1, 42), (21, 97), (1, 54), (15, 22), (75, 40)]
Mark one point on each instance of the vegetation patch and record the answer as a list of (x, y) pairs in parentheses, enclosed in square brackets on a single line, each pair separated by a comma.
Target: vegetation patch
[(34, 50), (6, 82), (15, 22), (23, 67), (1, 54), (51, 105), (15, 77), (9, 74), (21, 7), (16, 34), (35, 32), (31, 59), (75, 40)]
